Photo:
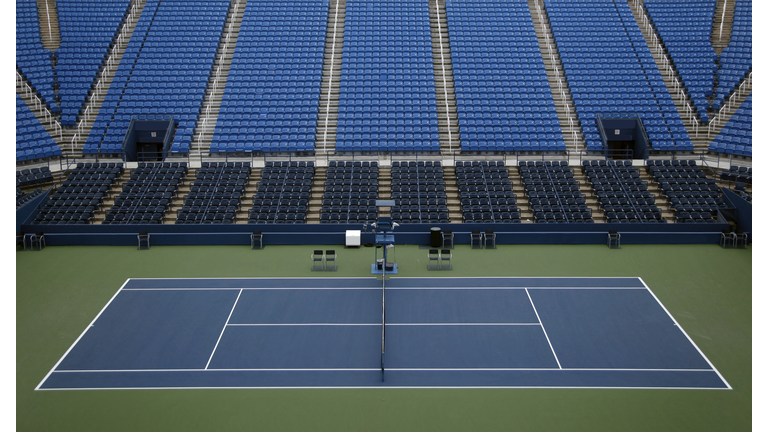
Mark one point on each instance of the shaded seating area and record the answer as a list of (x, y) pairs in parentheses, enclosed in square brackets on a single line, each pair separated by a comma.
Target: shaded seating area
[(418, 189), (486, 193), (351, 190), (147, 194), (22, 198), (553, 193), (33, 176), (80, 195), (621, 193), (215, 194), (33, 142), (737, 173), (693, 196), (283, 194)]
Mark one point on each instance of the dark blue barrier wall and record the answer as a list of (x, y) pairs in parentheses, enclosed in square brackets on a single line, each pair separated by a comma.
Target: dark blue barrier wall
[(29, 210), (743, 214), (630, 129)]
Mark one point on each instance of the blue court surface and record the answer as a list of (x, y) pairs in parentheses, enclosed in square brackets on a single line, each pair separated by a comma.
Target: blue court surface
[(440, 332)]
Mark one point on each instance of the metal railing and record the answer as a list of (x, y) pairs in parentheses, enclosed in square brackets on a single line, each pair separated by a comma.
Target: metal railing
[(656, 47), (728, 104), (445, 81), (39, 105), (330, 78)]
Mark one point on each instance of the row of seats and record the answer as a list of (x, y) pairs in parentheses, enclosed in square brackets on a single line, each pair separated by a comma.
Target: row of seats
[(366, 55), (553, 193), (274, 81), (736, 136), (32, 60), (22, 198), (693, 196), (88, 30), (737, 174), (623, 196), (625, 54), (685, 28), (80, 195), (342, 180), (504, 70), (480, 202), (736, 58), (145, 197), (209, 202), (33, 176), (33, 142), (283, 191), (418, 189)]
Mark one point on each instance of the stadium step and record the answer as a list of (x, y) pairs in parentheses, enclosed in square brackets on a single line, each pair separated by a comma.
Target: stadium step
[(452, 194), (722, 25), (385, 189), (316, 195), (558, 83), (328, 112), (672, 79), (49, 24), (217, 82), (75, 137), (447, 114)]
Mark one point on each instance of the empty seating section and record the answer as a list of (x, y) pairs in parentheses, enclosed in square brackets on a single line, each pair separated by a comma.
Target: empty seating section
[(737, 173), (736, 58), (503, 97), (33, 176), (80, 195), (736, 136), (486, 192), (214, 196), (387, 91), (147, 194), (32, 60), (553, 194), (101, 140), (686, 27), (418, 189), (610, 71), (351, 190), (283, 194), (87, 30), (32, 140), (271, 98), (693, 196), (621, 193), (172, 69), (22, 198)]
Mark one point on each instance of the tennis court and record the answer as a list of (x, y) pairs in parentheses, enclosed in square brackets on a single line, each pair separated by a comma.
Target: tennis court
[(440, 332)]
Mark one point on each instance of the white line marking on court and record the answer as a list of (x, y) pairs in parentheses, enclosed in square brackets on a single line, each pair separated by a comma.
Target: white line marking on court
[(82, 334), (222, 330), (378, 324), (381, 387), (468, 288), (543, 329), (378, 369), (686, 335)]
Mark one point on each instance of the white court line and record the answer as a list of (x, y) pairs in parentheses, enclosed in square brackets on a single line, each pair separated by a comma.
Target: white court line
[(222, 330), (82, 334), (686, 335), (467, 288), (543, 329), (382, 387), (378, 324), (389, 369)]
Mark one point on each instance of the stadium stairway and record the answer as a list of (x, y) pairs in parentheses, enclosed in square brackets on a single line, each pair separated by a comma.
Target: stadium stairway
[(673, 81), (385, 188), (730, 106), (328, 110), (558, 83), (316, 195), (452, 194), (722, 25), (447, 115), (49, 24), (74, 138), (109, 198), (217, 81)]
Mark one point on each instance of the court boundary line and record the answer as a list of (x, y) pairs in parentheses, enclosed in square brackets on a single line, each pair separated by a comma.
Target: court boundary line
[(543, 329), (377, 369), (383, 387), (392, 288), (223, 329), (378, 324), (701, 353), (45, 378)]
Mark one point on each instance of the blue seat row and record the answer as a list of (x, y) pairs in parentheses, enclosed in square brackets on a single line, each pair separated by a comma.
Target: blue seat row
[(736, 136), (32, 140), (736, 58), (32, 60)]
